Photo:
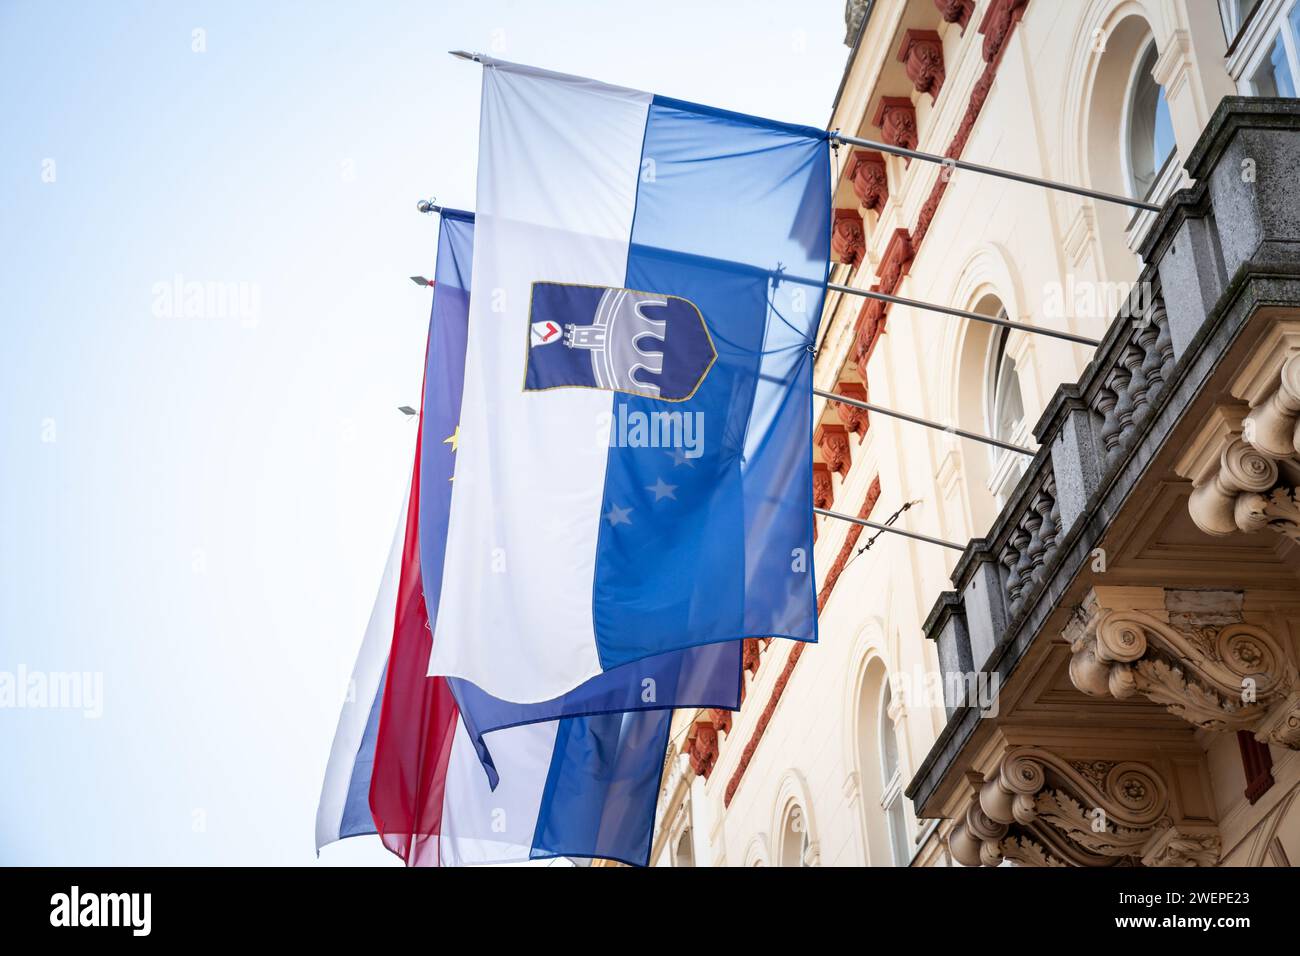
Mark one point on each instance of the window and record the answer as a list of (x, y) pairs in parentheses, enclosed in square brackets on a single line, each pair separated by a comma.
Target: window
[(794, 838), (684, 853), (891, 777), (1235, 14), (1264, 52), (1273, 75), (1005, 415), (1149, 131)]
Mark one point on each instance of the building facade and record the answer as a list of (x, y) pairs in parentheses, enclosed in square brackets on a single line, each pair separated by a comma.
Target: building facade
[(1103, 670)]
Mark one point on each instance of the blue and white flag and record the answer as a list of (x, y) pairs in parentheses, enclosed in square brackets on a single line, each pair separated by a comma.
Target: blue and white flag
[(634, 464), (706, 676), (481, 780)]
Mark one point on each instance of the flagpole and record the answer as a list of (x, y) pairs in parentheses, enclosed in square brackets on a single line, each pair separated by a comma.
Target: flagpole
[(973, 436), (429, 206), (837, 137), (962, 314), (876, 526)]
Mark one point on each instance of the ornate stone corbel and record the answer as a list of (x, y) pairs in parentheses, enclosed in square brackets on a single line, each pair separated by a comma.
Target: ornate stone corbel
[(1244, 494), (1245, 470), (1192, 653), (1179, 847), (1281, 724), (1039, 809), (848, 241), (956, 11), (896, 119), (896, 260), (854, 419), (701, 746), (866, 172), (721, 720), (833, 440), (922, 57), (870, 326), (996, 26), (823, 490), (1271, 426)]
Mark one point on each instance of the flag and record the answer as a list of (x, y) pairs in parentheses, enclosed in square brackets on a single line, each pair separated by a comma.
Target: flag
[(344, 809), (706, 676), (634, 473), (418, 716), (581, 787), (575, 776)]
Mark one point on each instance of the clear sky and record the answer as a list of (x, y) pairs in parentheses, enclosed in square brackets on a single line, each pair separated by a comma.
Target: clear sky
[(197, 494)]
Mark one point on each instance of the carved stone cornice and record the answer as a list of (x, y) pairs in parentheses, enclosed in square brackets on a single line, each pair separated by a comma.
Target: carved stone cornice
[(1205, 665), (1038, 809)]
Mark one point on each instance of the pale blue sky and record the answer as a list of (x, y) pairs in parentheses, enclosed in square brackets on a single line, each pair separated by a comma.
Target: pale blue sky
[(198, 508)]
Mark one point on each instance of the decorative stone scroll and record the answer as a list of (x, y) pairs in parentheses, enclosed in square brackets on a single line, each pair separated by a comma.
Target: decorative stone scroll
[(1189, 651), (1253, 484), (1039, 809)]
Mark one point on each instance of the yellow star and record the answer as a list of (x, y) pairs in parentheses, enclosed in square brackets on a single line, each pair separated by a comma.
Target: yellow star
[(453, 439)]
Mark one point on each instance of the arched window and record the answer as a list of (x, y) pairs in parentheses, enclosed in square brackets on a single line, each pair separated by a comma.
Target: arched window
[(684, 852), (794, 838), (891, 785), (1149, 132), (1004, 410)]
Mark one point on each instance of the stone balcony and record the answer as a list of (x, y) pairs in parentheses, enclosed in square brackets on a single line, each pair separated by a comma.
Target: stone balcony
[(1142, 584)]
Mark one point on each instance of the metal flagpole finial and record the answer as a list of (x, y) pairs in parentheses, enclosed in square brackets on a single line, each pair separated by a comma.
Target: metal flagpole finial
[(429, 205)]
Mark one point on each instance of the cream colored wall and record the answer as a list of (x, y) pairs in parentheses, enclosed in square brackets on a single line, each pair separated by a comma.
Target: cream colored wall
[(988, 236)]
